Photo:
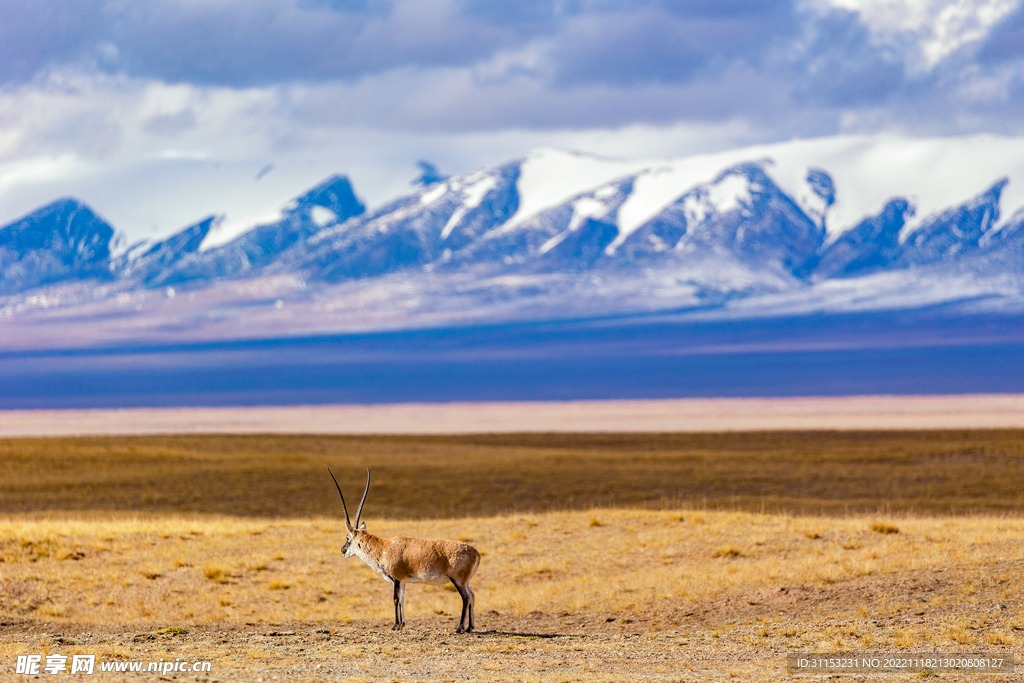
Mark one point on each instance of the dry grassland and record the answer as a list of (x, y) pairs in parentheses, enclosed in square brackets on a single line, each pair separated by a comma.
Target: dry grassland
[(202, 569), (609, 568), (605, 594), (940, 472)]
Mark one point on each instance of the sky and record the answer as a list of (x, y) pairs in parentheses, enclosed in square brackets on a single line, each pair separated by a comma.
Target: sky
[(158, 113)]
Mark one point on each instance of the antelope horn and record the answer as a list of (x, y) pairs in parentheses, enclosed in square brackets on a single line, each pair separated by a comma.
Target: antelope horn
[(348, 522), (359, 512)]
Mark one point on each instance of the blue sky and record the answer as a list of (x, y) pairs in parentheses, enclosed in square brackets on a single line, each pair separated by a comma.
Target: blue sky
[(162, 111)]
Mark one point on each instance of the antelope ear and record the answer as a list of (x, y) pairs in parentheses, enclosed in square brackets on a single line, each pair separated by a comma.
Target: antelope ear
[(362, 527)]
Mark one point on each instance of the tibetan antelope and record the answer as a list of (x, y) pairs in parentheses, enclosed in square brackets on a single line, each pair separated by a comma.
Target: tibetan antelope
[(403, 560)]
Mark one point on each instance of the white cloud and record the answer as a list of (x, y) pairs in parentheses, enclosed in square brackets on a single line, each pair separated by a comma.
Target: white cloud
[(64, 168), (150, 181), (940, 27), (153, 156)]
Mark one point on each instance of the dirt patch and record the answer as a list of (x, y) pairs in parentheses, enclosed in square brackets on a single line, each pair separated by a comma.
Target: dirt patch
[(736, 637)]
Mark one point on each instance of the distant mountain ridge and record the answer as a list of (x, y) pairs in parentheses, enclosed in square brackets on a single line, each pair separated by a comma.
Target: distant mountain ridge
[(63, 240), (563, 232)]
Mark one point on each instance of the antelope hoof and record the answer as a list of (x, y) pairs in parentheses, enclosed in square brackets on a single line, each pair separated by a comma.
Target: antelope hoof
[(396, 627), (460, 630)]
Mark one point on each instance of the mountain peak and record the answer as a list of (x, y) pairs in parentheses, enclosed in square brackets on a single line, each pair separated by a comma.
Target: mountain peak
[(575, 232), (334, 194), (60, 241), (157, 263)]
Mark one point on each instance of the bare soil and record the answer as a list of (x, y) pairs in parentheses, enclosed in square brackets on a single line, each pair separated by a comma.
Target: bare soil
[(735, 637)]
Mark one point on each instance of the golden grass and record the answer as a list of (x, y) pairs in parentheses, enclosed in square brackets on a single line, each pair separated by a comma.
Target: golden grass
[(176, 569), (832, 473), (649, 547)]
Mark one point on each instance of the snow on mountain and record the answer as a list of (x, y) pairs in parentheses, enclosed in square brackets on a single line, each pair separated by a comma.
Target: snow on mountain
[(411, 232), (472, 196), (330, 202), (153, 265), (60, 241), (835, 182), (953, 232), (798, 224), (871, 245), (868, 171), (741, 212), (861, 175), (521, 218), (549, 178), (889, 240)]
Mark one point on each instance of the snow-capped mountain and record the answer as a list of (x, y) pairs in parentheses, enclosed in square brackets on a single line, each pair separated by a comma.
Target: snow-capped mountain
[(327, 204), (423, 228), (818, 224), (63, 240), (153, 264)]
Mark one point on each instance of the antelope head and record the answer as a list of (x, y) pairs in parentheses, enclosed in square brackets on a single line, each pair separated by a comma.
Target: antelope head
[(353, 530)]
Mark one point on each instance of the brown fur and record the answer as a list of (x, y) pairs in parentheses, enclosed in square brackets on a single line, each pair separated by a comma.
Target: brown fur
[(452, 558), (415, 560), (403, 559)]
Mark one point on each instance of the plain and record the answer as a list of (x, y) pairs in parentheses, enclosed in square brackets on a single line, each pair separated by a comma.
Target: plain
[(648, 556)]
